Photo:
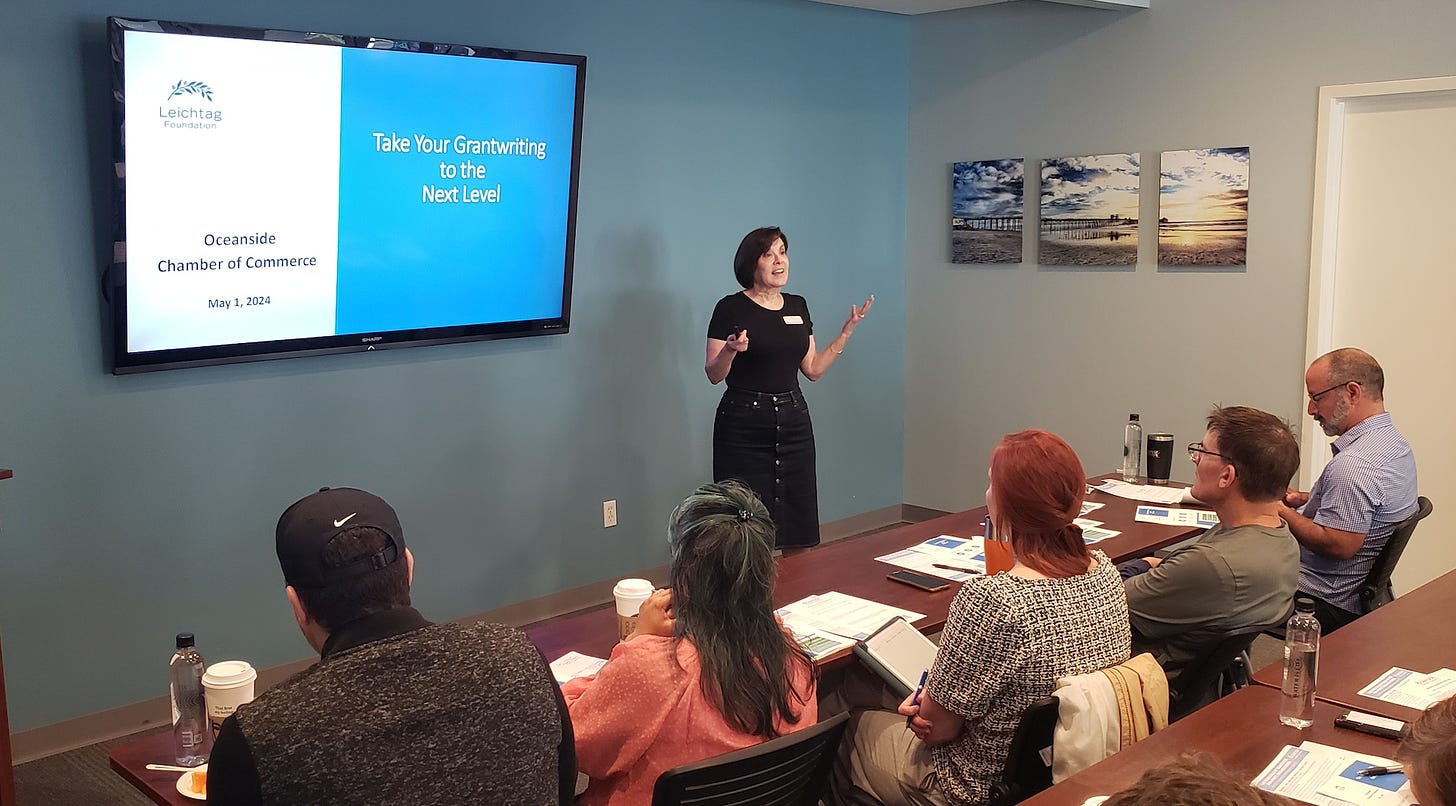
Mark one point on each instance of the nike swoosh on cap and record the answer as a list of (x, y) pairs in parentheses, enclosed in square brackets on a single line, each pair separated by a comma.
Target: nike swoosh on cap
[(343, 521)]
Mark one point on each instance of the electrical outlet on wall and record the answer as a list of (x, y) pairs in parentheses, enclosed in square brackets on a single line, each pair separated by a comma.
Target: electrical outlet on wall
[(609, 513)]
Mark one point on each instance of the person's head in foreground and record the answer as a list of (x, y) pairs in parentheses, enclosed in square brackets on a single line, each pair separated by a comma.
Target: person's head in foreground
[(1245, 454), (1429, 755), (1197, 780), (343, 557), (722, 583), (1037, 487)]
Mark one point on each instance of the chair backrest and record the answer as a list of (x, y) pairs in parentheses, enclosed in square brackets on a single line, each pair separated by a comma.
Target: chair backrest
[(1198, 681), (1028, 764), (788, 771), (1376, 590)]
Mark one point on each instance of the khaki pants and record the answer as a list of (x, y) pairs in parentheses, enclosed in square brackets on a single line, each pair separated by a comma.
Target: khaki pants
[(880, 761)]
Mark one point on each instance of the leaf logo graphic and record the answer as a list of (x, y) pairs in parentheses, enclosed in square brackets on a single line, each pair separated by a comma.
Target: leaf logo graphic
[(190, 88)]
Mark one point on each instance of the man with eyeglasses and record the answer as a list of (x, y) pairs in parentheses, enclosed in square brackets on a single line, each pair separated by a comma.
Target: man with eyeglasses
[(1239, 576), (1365, 491)]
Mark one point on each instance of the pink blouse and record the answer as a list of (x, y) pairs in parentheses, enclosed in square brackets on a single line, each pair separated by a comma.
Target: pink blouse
[(642, 715)]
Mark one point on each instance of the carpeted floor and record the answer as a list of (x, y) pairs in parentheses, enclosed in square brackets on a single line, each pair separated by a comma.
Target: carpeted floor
[(80, 777)]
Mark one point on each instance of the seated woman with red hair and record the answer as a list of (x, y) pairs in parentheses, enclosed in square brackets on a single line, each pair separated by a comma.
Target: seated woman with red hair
[(1059, 611)]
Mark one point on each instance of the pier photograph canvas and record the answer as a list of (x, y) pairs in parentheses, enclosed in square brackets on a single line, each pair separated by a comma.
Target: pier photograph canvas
[(1203, 207), (1089, 211), (987, 199)]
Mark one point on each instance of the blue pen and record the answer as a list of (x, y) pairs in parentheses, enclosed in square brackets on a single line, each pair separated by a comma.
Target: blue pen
[(915, 701)]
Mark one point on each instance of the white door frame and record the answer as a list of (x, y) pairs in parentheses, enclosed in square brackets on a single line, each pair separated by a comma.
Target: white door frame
[(1334, 102)]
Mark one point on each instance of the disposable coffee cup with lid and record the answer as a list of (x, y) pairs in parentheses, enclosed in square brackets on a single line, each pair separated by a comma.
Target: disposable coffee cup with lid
[(629, 595), (228, 684)]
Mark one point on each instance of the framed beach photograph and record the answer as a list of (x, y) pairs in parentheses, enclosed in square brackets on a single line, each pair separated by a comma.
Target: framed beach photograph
[(987, 200), (1089, 211), (1203, 207)]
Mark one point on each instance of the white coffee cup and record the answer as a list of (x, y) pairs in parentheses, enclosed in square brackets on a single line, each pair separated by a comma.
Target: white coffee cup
[(228, 684), (630, 594)]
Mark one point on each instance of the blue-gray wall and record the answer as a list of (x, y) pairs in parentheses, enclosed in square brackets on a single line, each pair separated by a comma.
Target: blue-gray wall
[(145, 505), (995, 349)]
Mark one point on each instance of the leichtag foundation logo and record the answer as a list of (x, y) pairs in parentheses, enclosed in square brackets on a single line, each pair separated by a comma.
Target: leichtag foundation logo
[(189, 105)]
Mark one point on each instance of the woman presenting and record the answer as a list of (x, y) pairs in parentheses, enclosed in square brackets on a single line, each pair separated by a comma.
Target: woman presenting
[(762, 434)]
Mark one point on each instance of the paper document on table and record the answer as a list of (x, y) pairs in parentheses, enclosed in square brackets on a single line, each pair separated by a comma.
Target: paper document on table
[(574, 664), (1093, 531), (817, 643), (966, 557), (841, 614), (1310, 772), (1091, 506), (1412, 689), (1201, 518), (1156, 493)]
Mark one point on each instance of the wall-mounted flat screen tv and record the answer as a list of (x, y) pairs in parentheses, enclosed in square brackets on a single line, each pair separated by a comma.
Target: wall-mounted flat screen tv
[(282, 193)]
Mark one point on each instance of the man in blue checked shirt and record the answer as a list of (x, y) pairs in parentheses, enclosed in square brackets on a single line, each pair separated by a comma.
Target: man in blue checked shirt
[(1364, 492)]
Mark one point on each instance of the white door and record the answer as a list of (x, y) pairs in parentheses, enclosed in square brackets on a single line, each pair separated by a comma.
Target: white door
[(1382, 279)]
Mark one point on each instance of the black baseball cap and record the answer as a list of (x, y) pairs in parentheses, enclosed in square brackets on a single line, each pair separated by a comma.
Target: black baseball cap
[(307, 527)]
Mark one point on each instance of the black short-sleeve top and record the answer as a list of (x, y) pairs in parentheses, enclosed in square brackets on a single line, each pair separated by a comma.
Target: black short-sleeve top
[(777, 341)]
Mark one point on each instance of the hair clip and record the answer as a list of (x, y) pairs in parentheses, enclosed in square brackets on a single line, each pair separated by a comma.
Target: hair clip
[(744, 516)]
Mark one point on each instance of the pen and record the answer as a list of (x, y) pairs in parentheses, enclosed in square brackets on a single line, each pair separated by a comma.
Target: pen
[(1386, 770), (923, 675), (915, 701), (955, 568)]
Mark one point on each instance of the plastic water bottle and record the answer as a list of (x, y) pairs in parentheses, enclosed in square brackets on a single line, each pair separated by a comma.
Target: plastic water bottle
[(191, 735), (1301, 661), (1132, 449)]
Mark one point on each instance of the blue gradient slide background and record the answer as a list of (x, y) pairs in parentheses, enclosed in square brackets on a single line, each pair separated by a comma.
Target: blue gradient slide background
[(405, 263)]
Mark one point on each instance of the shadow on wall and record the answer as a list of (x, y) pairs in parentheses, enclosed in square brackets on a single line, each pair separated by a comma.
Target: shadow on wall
[(631, 406)]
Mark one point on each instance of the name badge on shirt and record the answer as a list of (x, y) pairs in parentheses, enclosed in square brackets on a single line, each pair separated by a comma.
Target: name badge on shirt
[(793, 319)]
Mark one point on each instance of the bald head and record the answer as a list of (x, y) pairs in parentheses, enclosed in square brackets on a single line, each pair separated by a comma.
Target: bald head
[(1352, 364)]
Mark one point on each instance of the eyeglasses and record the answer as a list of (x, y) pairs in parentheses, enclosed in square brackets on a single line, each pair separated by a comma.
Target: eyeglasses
[(1196, 448), (1314, 398)]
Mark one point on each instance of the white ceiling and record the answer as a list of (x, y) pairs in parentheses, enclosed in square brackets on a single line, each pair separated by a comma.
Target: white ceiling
[(931, 6)]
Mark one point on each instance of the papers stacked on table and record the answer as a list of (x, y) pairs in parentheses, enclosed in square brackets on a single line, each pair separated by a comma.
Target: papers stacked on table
[(1156, 493), (1412, 689), (574, 664), (825, 623), (965, 553), (1328, 776), (1092, 531)]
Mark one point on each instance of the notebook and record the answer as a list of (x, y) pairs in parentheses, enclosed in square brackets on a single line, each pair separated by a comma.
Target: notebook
[(898, 653)]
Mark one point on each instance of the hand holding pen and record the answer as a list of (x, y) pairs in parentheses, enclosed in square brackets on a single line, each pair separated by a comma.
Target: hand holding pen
[(911, 709)]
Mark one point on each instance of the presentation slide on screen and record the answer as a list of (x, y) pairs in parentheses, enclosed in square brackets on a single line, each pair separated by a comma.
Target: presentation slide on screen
[(280, 190)]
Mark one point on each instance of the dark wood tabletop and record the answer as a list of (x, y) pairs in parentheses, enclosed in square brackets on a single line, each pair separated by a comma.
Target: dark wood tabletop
[(848, 566), (1417, 631), (1242, 730), (845, 565), (130, 760)]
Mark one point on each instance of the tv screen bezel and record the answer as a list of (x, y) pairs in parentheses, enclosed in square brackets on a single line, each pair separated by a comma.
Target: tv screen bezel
[(125, 362)]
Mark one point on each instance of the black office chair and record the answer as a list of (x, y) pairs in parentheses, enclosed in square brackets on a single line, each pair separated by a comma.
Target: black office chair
[(1221, 670), (1376, 590), (1028, 765), (792, 770)]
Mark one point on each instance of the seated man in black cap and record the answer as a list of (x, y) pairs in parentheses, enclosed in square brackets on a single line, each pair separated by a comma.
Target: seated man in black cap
[(398, 710)]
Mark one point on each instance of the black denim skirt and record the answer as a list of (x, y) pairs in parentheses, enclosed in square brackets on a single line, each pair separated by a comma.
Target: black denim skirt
[(767, 442)]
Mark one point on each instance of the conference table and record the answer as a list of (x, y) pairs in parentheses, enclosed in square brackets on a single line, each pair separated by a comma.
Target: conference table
[(846, 565), (1417, 631), (1242, 730)]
